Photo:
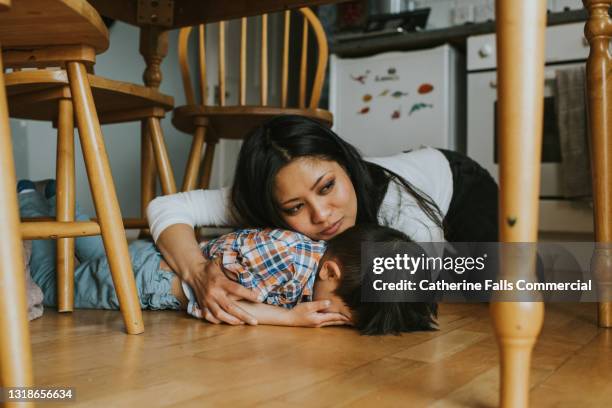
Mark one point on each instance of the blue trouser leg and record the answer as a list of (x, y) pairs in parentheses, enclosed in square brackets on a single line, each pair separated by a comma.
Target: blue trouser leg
[(93, 285), (85, 247)]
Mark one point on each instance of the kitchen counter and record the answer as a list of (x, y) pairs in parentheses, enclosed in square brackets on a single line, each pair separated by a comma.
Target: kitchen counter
[(363, 44)]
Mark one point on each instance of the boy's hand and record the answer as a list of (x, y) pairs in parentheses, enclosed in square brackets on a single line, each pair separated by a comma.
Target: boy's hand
[(310, 314)]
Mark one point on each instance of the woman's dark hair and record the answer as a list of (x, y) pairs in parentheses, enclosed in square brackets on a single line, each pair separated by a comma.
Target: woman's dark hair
[(381, 316), (271, 146)]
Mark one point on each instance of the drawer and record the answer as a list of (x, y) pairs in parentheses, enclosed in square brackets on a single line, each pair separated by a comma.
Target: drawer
[(563, 43)]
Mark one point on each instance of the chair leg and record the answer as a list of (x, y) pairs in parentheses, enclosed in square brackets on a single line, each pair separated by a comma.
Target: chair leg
[(195, 157), (105, 198), (521, 28), (164, 168), (65, 205), (599, 66), (147, 169), (207, 163), (15, 351)]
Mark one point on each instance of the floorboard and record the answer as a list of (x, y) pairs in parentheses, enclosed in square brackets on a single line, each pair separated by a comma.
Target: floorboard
[(182, 362)]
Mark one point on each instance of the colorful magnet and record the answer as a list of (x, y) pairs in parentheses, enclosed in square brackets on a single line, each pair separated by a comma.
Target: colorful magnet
[(361, 78), (419, 106), (384, 93), (396, 114), (364, 110), (367, 98), (378, 78), (425, 89), (399, 94), (391, 71)]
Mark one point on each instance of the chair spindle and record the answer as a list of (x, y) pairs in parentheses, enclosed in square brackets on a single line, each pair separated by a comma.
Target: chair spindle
[(285, 69)]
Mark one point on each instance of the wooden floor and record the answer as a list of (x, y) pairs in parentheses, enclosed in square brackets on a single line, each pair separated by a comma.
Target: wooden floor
[(182, 362)]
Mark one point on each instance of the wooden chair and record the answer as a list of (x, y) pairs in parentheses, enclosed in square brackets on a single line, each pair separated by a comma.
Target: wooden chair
[(15, 352), (208, 123), (35, 95), (69, 34)]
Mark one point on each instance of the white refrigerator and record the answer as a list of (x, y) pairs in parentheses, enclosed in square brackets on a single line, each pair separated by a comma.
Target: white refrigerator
[(395, 101)]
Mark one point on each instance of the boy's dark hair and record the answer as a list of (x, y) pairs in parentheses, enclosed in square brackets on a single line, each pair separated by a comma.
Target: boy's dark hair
[(375, 318)]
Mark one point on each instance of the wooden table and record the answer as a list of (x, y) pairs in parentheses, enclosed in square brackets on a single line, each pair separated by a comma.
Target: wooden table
[(521, 28)]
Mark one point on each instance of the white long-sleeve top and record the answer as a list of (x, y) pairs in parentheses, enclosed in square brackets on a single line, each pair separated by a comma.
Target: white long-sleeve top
[(426, 169)]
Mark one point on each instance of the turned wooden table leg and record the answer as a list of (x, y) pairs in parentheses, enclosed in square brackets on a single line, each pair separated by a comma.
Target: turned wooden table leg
[(65, 203), (153, 48), (598, 31), (521, 28), (105, 197), (15, 352)]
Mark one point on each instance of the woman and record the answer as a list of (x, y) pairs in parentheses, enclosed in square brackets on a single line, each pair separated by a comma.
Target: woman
[(295, 173)]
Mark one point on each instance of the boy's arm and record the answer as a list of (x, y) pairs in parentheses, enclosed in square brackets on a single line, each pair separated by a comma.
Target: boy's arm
[(308, 314)]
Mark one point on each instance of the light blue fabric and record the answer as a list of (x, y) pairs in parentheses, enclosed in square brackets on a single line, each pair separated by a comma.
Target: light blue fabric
[(93, 284)]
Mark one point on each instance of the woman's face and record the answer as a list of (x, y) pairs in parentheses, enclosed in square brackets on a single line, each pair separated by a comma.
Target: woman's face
[(316, 197)]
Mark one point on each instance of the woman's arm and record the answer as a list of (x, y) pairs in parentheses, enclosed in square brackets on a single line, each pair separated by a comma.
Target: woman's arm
[(172, 219), (180, 249), (194, 208)]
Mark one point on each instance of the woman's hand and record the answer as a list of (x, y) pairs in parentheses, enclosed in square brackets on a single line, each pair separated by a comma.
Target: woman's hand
[(309, 314), (216, 294)]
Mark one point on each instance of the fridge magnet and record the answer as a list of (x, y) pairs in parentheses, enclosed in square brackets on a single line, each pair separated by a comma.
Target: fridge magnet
[(399, 94), (381, 78), (360, 78), (384, 93), (367, 98), (419, 106), (396, 113), (364, 110), (425, 89), (391, 71)]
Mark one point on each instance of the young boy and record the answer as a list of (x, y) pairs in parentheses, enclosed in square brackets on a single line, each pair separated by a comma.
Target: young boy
[(286, 269)]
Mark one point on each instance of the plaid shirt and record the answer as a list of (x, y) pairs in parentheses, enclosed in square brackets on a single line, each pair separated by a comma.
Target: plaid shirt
[(279, 265)]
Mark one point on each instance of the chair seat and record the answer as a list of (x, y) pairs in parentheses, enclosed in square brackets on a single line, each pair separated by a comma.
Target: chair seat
[(34, 94), (234, 122), (34, 23)]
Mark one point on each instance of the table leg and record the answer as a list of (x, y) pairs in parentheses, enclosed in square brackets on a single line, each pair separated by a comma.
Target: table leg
[(599, 82), (521, 28), (15, 351), (153, 48)]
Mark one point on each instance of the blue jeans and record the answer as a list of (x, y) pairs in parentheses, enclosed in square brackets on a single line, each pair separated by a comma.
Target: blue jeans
[(93, 284)]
